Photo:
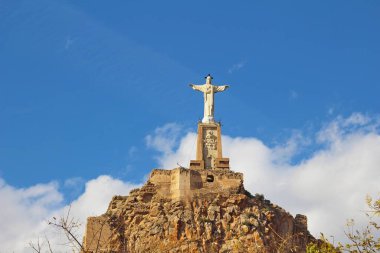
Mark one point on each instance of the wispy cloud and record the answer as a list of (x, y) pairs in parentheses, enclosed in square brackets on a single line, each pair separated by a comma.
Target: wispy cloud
[(236, 67), (69, 41), (293, 95), (73, 182), (132, 151), (330, 110)]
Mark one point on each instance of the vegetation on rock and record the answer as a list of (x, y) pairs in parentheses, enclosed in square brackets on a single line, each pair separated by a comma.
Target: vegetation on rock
[(366, 240)]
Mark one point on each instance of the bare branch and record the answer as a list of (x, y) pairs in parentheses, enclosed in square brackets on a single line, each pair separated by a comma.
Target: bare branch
[(36, 247), (68, 225)]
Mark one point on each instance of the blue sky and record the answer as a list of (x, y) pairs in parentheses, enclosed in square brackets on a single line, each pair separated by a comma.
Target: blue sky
[(82, 83), (85, 84)]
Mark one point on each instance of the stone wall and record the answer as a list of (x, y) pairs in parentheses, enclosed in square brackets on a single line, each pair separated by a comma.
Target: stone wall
[(97, 235), (184, 184)]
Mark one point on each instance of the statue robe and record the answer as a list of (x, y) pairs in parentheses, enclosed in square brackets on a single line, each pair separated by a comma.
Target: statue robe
[(208, 95)]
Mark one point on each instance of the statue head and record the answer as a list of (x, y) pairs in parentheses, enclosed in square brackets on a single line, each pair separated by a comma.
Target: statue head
[(208, 79)]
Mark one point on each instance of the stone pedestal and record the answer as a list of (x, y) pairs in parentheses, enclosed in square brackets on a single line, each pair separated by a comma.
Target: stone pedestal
[(209, 148)]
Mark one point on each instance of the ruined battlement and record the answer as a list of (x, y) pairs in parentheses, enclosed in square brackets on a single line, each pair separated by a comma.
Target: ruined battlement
[(184, 184)]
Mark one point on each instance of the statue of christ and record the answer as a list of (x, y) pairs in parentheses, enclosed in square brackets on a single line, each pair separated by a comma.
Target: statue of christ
[(208, 93)]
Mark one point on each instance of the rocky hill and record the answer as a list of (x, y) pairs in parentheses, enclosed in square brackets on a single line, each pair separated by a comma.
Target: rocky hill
[(215, 218), (204, 208)]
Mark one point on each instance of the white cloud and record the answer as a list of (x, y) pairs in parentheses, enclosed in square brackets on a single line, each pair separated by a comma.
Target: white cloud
[(329, 186), (73, 182), (236, 67), (24, 212), (164, 138), (356, 119), (355, 124), (97, 195)]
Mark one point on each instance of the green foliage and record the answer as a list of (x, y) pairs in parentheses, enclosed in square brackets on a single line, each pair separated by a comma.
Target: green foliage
[(266, 209), (248, 194), (247, 223), (260, 196), (251, 215), (365, 240), (322, 246)]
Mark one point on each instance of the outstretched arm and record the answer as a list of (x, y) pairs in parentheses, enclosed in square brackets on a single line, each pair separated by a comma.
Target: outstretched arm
[(220, 88), (197, 87)]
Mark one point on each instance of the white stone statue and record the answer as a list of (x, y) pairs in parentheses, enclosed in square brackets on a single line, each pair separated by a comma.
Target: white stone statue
[(208, 93)]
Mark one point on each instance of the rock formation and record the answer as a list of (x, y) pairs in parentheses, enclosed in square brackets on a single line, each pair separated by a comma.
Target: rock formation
[(214, 219), (203, 208)]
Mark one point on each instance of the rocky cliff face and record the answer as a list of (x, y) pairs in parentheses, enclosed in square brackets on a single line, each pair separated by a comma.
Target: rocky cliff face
[(218, 221)]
